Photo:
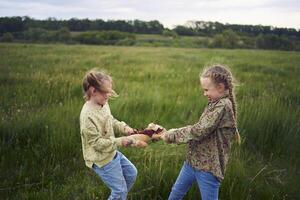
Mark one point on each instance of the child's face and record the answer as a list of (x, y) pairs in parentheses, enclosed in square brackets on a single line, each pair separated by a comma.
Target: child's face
[(101, 97), (211, 90)]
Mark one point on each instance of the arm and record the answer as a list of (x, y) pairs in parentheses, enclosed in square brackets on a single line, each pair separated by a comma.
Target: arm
[(120, 127), (206, 125), (94, 138)]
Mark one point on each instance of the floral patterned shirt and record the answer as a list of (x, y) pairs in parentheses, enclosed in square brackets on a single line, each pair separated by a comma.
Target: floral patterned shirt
[(209, 140)]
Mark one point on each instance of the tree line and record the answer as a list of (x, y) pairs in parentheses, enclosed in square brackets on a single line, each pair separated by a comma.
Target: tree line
[(192, 28), (19, 24), (122, 32), (203, 28)]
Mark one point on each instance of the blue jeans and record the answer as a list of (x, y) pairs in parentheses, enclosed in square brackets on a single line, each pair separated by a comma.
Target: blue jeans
[(208, 184), (119, 175)]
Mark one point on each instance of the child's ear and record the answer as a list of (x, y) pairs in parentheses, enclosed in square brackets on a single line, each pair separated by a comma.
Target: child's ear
[(221, 87), (92, 90)]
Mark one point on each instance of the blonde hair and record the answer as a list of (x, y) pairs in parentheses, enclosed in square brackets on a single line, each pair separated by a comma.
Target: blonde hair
[(94, 78), (221, 74)]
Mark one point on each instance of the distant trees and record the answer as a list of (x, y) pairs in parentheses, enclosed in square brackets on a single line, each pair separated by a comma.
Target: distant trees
[(183, 30), (203, 28), (200, 28), (151, 27), (42, 35), (98, 31), (11, 24), (63, 35), (274, 42), (18, 24), (230, 39), (78, 25)]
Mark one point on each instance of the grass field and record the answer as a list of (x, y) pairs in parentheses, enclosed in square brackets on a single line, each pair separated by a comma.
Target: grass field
[(41, 99)]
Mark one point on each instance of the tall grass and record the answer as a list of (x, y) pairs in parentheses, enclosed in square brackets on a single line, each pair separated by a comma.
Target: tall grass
[(41, 98)]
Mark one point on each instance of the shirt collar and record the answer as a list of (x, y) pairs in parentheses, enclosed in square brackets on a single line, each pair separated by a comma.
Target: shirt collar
[(96, 106), (225, 95)]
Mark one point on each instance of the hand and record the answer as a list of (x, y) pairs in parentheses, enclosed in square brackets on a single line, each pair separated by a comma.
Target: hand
[(156, 136), (126, 141), (128, 130), (140, 144), (163, 136), (159, 136)]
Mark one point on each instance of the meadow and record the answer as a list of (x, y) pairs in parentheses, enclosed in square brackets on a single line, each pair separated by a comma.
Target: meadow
[(41, 98)]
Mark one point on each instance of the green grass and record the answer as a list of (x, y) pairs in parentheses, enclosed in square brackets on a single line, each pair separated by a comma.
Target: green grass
[(41, 99)]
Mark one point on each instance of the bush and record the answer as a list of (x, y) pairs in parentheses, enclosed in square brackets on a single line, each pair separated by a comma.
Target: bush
[(218, 41), (247, 42), (63, 35), (228, 39), (7, 37), (104, 37), (231, 39), (42, 35), (35, 34), (274, 42), (169, 33)]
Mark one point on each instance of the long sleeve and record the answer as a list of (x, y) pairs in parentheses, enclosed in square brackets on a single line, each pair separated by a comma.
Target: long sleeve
[(206, 125), (95, 138), (119, 126)]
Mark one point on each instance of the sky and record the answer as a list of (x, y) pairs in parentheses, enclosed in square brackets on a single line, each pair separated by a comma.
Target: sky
[(277, 13)]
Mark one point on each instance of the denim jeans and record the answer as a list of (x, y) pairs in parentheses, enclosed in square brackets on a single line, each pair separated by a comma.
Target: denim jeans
[(208, 184), (119, 175)]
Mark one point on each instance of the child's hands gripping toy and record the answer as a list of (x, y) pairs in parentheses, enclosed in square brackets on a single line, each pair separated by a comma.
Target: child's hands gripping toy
[(143, 136)]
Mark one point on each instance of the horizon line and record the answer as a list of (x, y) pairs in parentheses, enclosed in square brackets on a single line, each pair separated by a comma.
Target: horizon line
[(164, 24)]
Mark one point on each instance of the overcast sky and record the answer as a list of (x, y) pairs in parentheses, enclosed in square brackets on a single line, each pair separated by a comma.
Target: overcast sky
[(279, 13)]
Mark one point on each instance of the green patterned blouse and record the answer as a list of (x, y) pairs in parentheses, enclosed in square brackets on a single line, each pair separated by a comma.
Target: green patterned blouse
[(209, 140)]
